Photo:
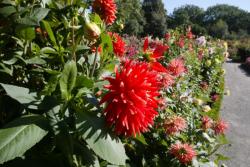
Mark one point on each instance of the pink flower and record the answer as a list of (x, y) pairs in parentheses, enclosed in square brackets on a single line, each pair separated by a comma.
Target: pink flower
[(206, 122), (131, 100), (174, 125), (200, 54), (183, 152), (167, 36), (176, 67), (181, 42), (215, 97), (220, 127)]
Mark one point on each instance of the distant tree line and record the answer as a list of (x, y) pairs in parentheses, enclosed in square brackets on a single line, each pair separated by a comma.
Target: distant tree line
[(149, 17)]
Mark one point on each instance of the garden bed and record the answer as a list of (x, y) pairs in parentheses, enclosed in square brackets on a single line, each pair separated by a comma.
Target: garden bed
[(73, 93)]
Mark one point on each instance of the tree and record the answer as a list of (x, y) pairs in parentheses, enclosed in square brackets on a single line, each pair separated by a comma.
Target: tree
[(219, 29), (188, 14), (156, 17), (235, 18), (131, 14)]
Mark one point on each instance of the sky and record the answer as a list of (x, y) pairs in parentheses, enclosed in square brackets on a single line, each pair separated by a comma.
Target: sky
[(171, 4)]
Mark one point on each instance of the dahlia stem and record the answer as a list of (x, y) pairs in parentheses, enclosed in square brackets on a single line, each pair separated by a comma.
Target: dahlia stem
[(95, 61), (73, 40)]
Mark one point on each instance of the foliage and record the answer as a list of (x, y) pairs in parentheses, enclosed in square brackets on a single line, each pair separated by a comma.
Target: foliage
[(156, 16), (131, 14), (239, 49), (222, 20), (219, 29), (188, 15)]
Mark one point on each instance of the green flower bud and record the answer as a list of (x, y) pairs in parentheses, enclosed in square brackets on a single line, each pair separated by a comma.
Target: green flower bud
[(92, 31)]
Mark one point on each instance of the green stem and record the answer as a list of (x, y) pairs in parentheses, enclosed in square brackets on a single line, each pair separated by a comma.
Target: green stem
[(73, 40), (95, 61)]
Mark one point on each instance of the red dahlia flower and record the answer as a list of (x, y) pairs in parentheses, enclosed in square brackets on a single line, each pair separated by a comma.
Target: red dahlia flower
[(157, 53), (119, 46), (131, 100), (176, 67), (175, 125), (183, 152), (154, 55), (106, 9), (220, 127), (189, 35)]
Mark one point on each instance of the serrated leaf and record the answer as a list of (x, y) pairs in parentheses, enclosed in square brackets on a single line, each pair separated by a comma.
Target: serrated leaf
[(19, 136), (68, 79), (101, 142)]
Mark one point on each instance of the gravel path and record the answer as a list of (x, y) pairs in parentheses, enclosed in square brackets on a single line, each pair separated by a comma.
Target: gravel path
[(236, 110)]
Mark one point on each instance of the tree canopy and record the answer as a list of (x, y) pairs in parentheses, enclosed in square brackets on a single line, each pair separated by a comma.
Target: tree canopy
[(156, 17)]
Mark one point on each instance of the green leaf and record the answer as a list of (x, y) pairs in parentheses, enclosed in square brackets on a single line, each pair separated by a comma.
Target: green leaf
[(48, 50), (83, 81), (27, 21), (106, 147), (68, 79), (21, 94), (26, 33), (207, 137), (8, 10), (36, 60), (106, 42), (222, 139), (141, 139), (19, 136), (100, 84), (47, 27), (10, 61), (6, 70), (50, 87), (39, 14), (8, 2), (221, 157)]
